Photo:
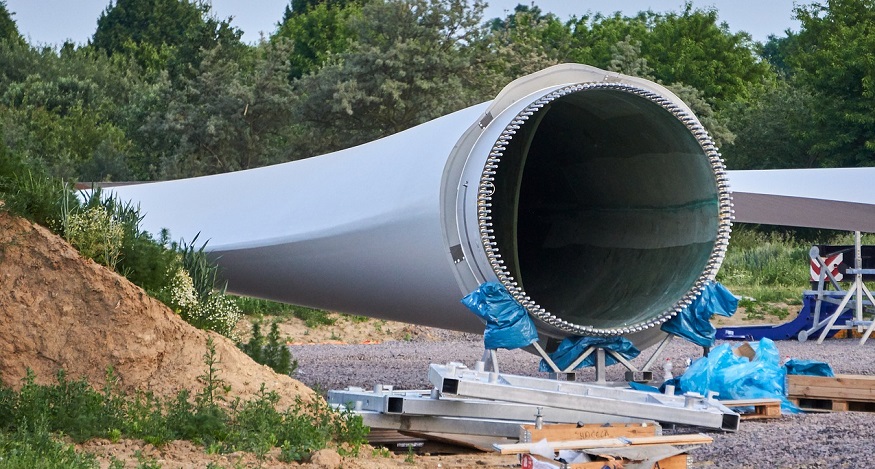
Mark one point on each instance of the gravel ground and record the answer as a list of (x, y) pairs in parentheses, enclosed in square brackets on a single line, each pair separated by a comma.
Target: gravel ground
[(834, 440)]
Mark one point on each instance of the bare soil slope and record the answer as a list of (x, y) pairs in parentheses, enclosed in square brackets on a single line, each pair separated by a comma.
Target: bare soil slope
[(59, 310)]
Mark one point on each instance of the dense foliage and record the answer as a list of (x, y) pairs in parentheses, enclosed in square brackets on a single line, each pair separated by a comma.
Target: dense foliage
[(183, 96)]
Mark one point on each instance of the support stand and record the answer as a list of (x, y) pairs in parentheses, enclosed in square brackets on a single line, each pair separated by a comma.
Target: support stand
[(632, 373), (857, 290)]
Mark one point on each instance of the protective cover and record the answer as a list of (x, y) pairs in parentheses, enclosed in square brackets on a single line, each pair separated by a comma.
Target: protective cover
[(573, 347), (694, 322), (508, 325), (733, 376), (808, 367)]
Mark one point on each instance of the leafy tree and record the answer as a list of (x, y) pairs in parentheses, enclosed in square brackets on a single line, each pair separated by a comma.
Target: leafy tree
[(692, 48), (524, 42), (300, 7), (231, 115), (317, 34), (410, 63), (8, 29), (832, 54), (510, 22), (161, 34), (62, 110), (776, 51), (594, 38), (775, 130)]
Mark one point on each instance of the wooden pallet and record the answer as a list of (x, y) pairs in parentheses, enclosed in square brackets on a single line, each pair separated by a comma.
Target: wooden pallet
[(838, 393), (833, 405), (763, 408)]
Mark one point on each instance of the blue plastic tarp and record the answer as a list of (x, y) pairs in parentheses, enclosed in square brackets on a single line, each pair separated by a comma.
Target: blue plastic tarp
[(808, 367), (693, 323), (734, 376), (571, 348), (508, 324)]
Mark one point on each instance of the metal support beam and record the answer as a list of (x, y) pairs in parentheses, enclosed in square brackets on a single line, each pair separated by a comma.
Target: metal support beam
[(455, 380), (424, 403)]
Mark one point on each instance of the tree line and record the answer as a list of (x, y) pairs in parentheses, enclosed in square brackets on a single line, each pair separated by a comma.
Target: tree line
[(165, 89)]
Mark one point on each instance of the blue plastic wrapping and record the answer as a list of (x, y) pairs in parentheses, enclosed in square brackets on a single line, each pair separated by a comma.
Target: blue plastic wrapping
[(508, 324), (573, 347), (736, 377), (694, 322), (808, 367)]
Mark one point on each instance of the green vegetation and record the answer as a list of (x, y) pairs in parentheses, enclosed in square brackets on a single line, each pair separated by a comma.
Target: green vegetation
[(259, 307), (769, 266), (31, 419), (270, 350), (186, 97)]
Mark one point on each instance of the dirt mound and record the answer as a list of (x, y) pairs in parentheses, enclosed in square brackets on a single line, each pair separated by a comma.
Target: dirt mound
[(59, 310)]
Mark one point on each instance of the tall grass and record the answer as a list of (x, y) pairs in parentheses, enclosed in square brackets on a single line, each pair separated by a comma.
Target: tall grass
[(767, 266), (772, 265)]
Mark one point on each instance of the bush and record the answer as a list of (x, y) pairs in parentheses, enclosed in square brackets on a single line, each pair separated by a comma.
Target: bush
[(270, 351), (96, 234)]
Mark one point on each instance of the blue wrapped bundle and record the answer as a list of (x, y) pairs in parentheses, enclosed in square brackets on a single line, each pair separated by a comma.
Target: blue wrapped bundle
[(737, 377), (508, 324), (573, 347), (694, 322)]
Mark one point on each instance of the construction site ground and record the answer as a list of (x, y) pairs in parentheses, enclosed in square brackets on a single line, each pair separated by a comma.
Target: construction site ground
[(58, 310)]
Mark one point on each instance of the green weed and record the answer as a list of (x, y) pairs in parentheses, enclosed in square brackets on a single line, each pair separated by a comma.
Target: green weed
[(271, 350)]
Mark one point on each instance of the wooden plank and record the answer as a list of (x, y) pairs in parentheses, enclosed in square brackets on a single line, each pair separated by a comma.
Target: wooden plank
[(830, 392), (763, 408), (837, 381), (699, 439), (570, 431)]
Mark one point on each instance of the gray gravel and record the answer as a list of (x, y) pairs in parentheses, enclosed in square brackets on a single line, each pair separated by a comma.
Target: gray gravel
[(834, 440)]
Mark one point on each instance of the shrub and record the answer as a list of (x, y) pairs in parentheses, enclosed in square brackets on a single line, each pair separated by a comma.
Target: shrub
[(270, 350), (218, 313), (96, 234), (28, 449)]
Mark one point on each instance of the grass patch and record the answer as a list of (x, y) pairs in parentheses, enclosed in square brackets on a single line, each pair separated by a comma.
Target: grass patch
[(29, 419), (258, 307), (767, 266)]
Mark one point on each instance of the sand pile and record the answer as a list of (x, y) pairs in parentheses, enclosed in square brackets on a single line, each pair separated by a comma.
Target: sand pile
[(59, 310)]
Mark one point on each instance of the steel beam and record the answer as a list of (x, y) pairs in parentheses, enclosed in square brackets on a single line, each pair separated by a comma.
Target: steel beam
[(695, 410), (422, 403)]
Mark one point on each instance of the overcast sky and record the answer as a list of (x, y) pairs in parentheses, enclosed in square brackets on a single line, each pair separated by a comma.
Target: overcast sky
[(47, 22)]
